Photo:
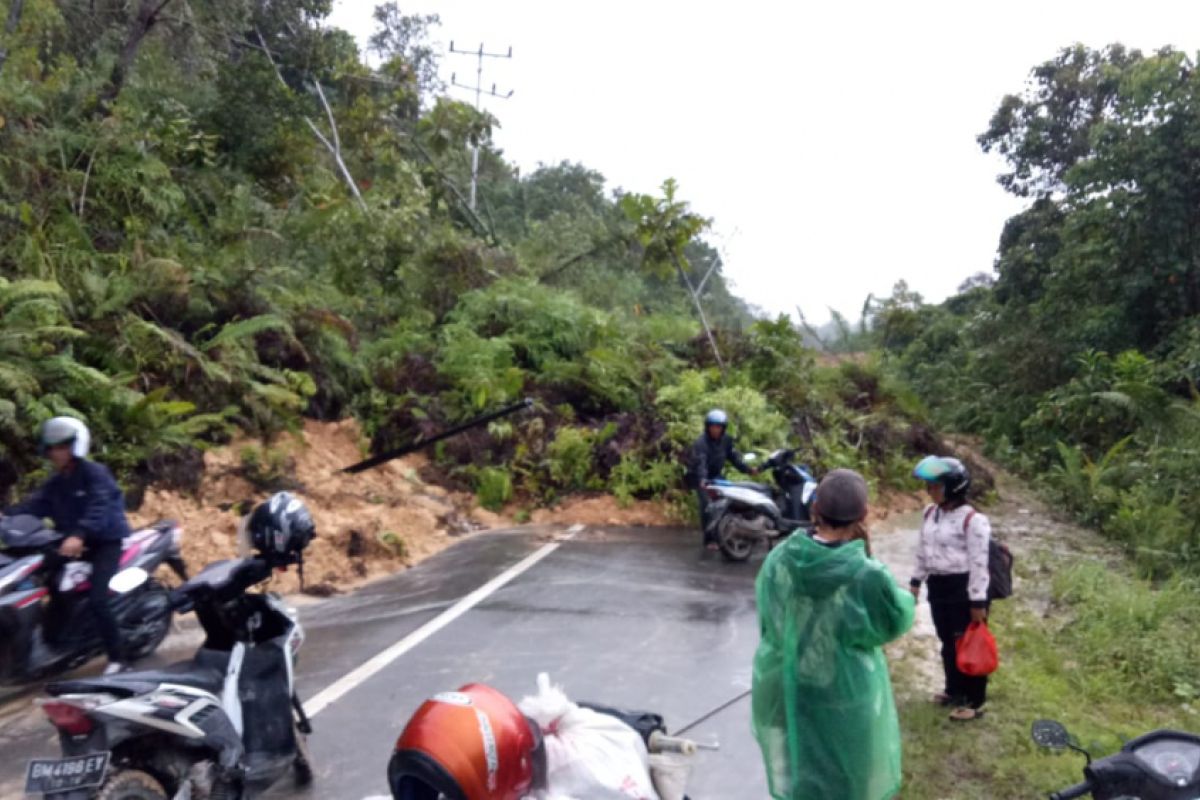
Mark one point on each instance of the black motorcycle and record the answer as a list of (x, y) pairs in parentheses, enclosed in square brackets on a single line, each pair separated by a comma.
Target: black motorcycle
[(226, 725), (742, 513), (46, 626), (1163, 765)]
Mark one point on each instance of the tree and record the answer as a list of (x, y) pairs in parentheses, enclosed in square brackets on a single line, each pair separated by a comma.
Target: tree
[(402, 42), (664, 227)]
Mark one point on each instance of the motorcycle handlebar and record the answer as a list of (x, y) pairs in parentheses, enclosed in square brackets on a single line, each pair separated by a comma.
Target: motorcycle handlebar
[(1078, 790), (661, 743)]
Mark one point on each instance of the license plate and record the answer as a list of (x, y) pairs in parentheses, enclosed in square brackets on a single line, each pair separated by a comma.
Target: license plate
[(46, 775)]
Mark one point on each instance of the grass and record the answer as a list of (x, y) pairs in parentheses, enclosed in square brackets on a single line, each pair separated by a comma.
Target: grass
[(1112, 657)]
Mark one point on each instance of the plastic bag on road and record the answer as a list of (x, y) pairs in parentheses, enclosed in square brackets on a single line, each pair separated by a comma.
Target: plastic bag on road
[(589, 755)]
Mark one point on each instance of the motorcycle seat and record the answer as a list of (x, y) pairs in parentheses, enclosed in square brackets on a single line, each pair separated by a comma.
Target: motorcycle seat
[(128, 684), (757, 487)]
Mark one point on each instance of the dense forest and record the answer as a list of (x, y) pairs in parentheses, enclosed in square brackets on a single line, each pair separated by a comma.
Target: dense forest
[(1079, 359), (220, 218)]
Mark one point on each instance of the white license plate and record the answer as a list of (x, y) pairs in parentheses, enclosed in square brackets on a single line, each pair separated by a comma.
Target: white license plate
[(46, 775)]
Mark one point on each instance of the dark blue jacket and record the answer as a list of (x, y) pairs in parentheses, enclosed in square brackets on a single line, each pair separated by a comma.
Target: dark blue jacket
[(85, 502), (707, 460)]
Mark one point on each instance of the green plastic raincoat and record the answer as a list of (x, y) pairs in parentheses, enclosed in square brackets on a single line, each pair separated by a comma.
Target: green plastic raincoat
[(823, 709)]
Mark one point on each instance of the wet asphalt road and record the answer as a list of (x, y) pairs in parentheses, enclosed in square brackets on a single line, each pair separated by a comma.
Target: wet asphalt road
[(634, 618)]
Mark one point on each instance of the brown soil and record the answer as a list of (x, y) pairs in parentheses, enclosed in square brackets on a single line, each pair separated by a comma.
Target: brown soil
[(369, 525), (605, 510), (892, 503)]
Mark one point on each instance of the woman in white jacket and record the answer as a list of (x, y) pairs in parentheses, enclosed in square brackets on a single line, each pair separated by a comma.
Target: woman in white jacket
[(952, 559)]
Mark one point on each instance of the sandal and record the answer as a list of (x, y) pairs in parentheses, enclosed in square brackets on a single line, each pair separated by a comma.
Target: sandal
[(967, 714), (942, 699)]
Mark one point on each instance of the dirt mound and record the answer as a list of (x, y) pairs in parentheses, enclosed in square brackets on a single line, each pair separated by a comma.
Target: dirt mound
[(891, 503), (368, 525), (605, 510)]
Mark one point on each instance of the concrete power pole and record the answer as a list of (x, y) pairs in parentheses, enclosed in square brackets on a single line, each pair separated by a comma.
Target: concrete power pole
[(480, 54)]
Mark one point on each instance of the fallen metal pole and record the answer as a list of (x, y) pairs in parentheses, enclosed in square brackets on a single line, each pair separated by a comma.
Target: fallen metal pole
[(375, 461)]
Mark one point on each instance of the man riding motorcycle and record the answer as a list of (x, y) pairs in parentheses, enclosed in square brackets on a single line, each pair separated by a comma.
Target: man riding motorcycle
[(709, 455), (87, 505)]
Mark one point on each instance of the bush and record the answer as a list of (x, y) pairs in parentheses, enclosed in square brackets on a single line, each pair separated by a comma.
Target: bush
[(753, 420), (1155, 531), (635, 477), (494, 487), (569, 459), (1138, 637), (268, 469)]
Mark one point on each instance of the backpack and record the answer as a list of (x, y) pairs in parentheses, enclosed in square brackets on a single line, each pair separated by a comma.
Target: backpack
[(1000, 562)]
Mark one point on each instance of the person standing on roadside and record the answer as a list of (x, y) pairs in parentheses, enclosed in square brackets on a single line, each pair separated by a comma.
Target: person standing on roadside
[(823, 710), (710, 453), (952, 560), (87, 507)]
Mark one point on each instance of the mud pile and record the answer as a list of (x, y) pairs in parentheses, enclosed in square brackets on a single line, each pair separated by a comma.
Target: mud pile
[(368, 525)]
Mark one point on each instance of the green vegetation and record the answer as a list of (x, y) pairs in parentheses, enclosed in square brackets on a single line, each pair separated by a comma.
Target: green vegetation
[(1078, 366), (1068, 664), (221, 218), (1079, 362)]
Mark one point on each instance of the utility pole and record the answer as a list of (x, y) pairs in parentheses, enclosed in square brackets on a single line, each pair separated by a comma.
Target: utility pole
[(480, 54)]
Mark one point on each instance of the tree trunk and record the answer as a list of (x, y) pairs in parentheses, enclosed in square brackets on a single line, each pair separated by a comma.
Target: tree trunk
[(147, 17), (10, 27)]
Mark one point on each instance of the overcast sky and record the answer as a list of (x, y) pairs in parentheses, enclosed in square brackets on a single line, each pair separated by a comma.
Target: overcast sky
[(833, 143)]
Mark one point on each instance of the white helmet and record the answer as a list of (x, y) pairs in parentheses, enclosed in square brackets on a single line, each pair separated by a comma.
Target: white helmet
[(65, 430)]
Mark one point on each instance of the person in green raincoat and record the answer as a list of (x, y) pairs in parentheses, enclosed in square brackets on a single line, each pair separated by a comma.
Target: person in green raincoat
[(823, 710)]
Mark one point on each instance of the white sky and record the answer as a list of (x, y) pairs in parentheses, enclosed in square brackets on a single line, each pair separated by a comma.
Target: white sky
[(833, 143)]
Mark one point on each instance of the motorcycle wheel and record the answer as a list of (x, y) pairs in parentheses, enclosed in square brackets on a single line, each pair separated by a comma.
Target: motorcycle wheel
[(143, 635), (734, 547), (131, 784)]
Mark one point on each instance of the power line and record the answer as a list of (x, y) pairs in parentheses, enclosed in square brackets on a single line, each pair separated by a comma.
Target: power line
[(480, 55)]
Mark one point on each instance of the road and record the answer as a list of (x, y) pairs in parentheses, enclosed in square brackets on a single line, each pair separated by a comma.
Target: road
[(629, 617)]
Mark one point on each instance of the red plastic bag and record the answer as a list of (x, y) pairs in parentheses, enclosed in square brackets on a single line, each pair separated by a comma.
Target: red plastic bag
[(976, 651)]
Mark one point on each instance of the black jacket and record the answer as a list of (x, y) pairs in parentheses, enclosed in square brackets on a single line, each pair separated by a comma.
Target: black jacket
[(86, 502), (709, 456)]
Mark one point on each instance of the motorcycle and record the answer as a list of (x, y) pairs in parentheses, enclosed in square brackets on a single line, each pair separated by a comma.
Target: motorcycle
[(1163, 765), (46, 626), (226, 725), (742, 513)]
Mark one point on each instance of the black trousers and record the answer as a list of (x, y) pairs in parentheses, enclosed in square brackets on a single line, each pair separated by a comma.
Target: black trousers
[(105, 558), (951, 615), (703, 501)]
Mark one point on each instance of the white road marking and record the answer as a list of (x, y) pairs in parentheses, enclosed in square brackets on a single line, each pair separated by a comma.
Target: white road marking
[(359, 675)]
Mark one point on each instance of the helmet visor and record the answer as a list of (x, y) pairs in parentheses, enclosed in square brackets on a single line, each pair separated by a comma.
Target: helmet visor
[(930, 468)]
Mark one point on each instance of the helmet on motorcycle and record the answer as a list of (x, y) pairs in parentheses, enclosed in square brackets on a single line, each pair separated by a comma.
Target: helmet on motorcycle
[(280, 528), (716, 417), (64, 430), (473, 744), (949, 472)]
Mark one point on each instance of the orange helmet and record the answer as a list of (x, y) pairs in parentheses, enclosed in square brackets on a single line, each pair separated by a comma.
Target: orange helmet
[(473, 744)]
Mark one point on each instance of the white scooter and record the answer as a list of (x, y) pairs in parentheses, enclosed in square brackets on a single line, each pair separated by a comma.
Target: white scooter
[(225, 725), (742, 513)]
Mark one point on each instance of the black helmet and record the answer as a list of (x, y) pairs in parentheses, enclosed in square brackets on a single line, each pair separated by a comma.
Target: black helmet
[(949, 472), (281, 528)]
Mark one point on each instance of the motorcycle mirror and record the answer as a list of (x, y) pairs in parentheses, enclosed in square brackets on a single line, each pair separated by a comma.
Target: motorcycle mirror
[(1051, 734), (127, 580)]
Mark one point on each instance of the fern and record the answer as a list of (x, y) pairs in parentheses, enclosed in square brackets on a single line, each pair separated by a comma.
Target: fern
[(247, 329)]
